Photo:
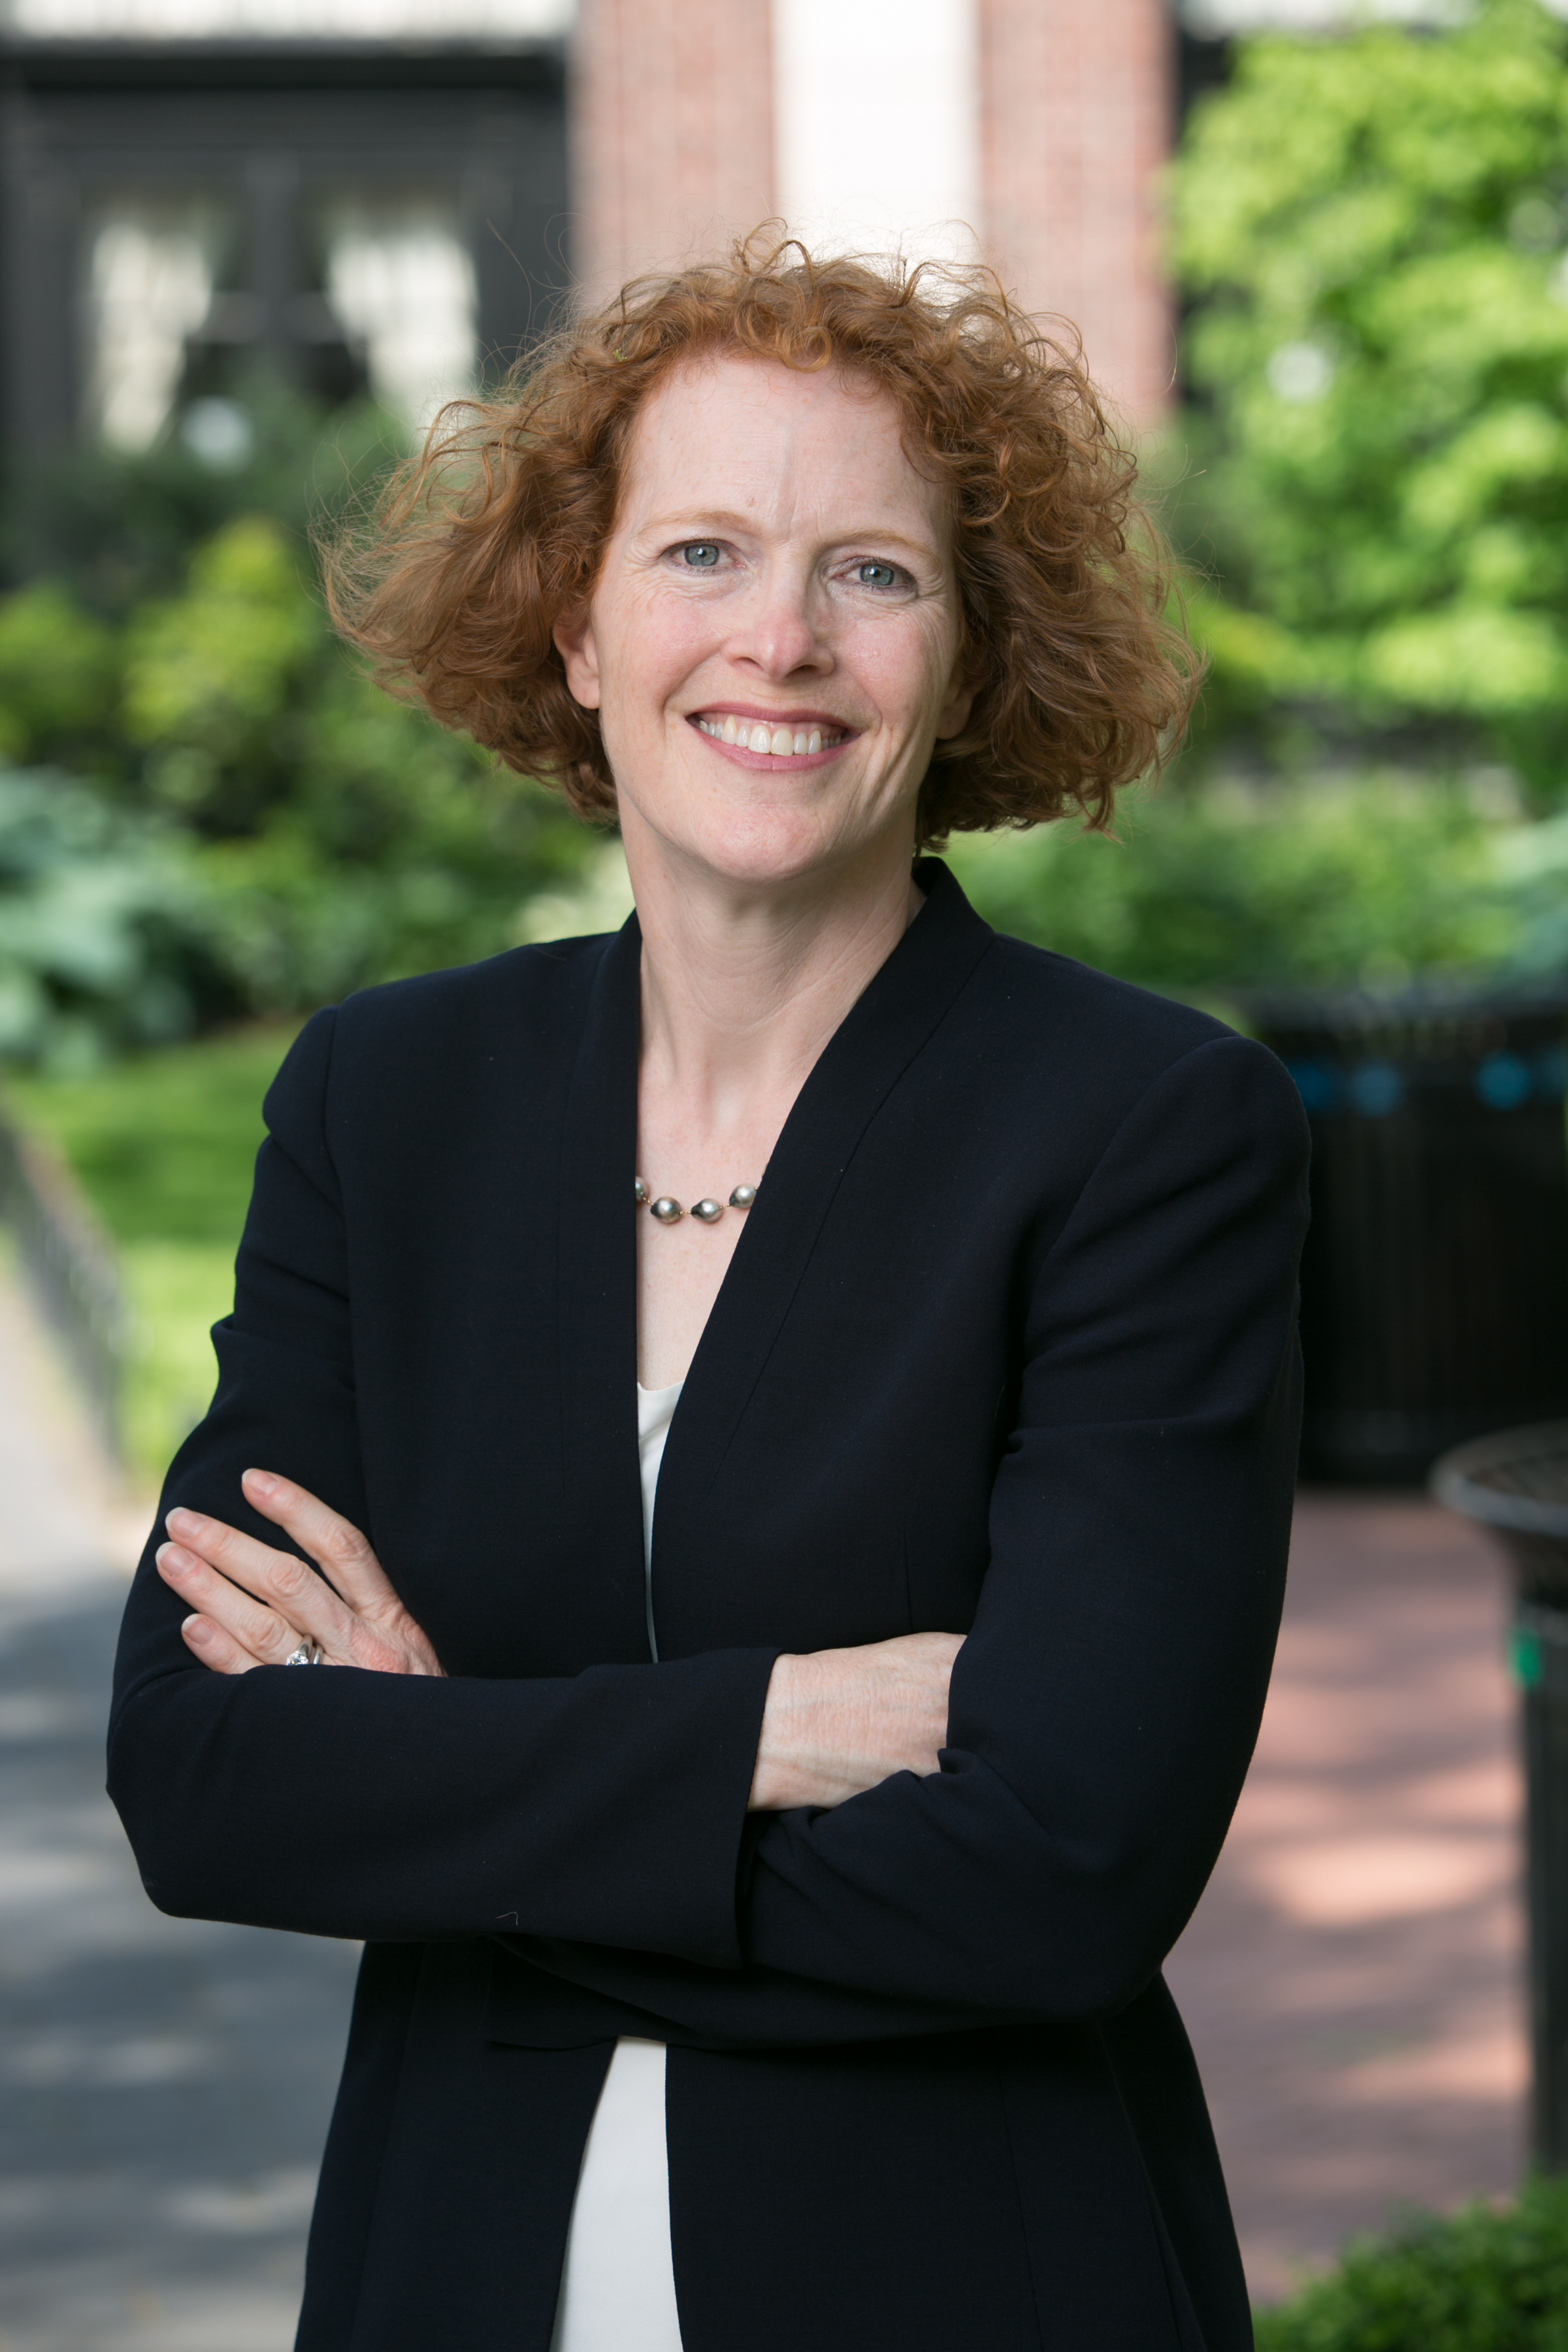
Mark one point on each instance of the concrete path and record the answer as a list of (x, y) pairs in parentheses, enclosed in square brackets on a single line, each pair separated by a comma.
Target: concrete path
[(165, 2085), (1350, 1979)]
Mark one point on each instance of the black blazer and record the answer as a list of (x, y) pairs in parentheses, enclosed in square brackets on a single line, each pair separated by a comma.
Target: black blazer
[(1007, 1348)]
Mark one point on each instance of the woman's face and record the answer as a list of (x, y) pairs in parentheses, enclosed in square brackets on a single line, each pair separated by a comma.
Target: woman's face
[(772, 643)]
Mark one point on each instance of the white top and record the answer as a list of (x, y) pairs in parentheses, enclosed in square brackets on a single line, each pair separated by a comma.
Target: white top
[(618, 2288), (656, 1410)]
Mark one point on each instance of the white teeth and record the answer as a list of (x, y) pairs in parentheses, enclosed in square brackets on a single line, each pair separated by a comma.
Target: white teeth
[(781, 743)]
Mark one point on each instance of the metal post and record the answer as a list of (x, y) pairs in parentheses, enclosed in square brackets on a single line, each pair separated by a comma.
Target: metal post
[(1516, 1485), (272, 259), (1540, 1663)]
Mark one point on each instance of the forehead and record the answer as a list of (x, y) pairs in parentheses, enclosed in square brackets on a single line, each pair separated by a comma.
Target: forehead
[(727, 430)]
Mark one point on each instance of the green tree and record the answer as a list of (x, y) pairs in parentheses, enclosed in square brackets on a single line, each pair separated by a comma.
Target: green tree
[(1370, 232)]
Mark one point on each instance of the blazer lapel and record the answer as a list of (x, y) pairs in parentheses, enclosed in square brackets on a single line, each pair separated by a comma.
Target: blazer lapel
[(861, 1064), (864, 1060), (597, 1293)]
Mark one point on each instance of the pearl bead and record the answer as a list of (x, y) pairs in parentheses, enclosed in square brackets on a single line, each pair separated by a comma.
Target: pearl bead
[(707, 1211)]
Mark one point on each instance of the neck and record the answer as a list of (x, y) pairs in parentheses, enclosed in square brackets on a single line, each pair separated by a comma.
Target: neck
[(742, 985)]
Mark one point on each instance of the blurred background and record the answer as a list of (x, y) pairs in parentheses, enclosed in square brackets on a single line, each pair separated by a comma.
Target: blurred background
[(1319, 261)]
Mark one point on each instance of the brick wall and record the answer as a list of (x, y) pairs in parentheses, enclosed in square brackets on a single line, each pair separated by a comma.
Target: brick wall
[(673, 137), (1075, 102), (672, 131)]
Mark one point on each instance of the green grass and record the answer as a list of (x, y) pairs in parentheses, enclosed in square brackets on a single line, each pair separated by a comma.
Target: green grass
[(164, 1147)]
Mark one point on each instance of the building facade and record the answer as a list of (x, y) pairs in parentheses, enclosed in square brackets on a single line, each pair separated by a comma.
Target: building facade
[(396, 195), (1026, 133), (352, 216)]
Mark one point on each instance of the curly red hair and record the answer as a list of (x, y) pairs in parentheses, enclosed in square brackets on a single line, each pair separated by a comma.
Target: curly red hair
[(495, 531)]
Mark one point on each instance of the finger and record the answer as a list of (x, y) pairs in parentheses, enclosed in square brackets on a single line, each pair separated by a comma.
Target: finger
[(268, 1637), (216, 1648), (333, 1541), (278, 1579)]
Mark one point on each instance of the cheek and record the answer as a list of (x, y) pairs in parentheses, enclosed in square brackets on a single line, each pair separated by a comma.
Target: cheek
[(906, 670), (655, 646)]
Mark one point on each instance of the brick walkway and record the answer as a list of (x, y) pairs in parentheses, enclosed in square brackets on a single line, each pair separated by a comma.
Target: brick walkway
[(1350, 1978)]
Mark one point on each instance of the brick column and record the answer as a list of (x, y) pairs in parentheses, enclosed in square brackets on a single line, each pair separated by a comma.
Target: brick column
[(1075, 102), (672, 132)]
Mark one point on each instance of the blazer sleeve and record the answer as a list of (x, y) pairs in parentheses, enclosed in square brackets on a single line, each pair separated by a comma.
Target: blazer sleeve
[(1105, 1705), (383, 1806)]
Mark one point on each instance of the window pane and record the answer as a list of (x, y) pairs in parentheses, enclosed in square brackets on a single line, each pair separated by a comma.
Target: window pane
[(154, 260), (400, 278)]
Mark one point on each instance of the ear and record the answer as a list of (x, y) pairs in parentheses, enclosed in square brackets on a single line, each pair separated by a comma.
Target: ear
[(574, 642)]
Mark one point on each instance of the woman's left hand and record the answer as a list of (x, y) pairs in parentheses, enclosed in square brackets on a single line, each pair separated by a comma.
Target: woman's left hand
[(255, 1606)]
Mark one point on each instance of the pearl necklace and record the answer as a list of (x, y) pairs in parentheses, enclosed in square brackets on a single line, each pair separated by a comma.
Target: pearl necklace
[(666, 1212)]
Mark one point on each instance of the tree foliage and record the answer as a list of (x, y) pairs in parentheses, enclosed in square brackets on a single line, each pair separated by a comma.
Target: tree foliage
[(1369, 231)]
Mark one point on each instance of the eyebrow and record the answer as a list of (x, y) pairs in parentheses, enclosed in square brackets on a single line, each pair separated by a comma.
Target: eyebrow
[(721, 518)]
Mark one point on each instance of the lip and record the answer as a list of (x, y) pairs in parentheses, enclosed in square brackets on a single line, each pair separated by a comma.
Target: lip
[(790, 762), (800, 718)]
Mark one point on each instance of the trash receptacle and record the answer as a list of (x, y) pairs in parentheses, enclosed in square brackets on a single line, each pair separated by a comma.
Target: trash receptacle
[(1516, 1485), (1435, 1279)]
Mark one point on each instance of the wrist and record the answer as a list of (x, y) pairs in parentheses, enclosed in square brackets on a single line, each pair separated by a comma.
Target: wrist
[(780, 1781)]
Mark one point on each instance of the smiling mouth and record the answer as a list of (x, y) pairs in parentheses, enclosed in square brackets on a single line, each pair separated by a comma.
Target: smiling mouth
[(784, 743)]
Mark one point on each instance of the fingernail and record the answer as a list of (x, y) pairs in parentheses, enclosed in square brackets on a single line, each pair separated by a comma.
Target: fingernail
[(197, 1629), (190, 1520), (260, 1482)]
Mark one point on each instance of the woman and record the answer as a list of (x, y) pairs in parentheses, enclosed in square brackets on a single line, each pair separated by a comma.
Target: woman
[(972, 1355)]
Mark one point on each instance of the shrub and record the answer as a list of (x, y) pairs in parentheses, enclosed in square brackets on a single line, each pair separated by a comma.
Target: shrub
[(1485, 2280), (105, 939), (59, 677), (324, 837), (1366, 878)]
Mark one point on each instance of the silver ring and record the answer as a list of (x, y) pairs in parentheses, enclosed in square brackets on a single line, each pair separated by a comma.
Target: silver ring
[(309, 1654)]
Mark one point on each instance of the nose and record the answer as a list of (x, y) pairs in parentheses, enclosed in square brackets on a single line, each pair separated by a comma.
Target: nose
[(781, 631)]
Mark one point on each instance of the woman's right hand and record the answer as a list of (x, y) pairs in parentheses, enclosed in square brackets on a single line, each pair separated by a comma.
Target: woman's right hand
[(255, 1606), (840, 1721)]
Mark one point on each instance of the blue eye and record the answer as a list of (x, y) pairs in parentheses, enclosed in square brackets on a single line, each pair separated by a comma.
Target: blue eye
[(700, 554), (876, 575)]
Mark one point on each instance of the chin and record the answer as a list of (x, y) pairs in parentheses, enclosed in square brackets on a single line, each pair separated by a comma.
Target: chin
[(763, 846)]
